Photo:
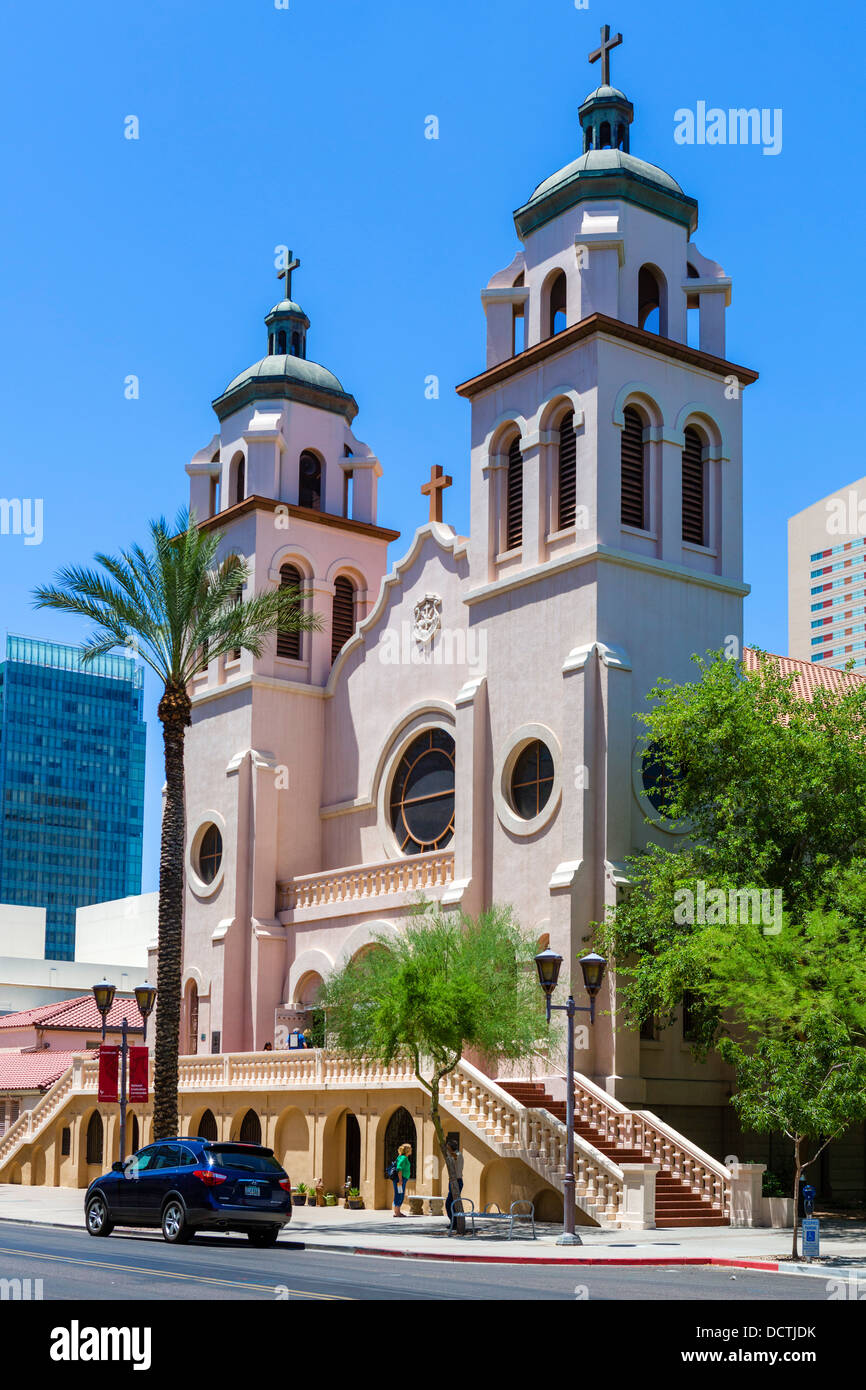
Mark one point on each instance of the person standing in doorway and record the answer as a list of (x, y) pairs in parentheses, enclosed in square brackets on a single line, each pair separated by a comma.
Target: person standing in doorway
[(456, 1158), (402, 1172)]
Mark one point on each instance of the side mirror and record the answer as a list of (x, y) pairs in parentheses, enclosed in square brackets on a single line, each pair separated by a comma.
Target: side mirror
[(117, 1167)]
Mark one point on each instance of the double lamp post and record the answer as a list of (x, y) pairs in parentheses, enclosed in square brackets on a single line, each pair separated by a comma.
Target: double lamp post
[(548, 964), (145, 997)]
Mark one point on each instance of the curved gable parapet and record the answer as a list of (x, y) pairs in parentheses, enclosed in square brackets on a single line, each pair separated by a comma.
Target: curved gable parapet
[(446, 540)]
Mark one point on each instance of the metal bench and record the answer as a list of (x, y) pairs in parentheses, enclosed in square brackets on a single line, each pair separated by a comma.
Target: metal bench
[(513, 1214)]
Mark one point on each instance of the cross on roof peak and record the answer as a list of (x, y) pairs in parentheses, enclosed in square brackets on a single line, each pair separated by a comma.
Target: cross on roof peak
[(433, 490), (607, 43), (290, 263)]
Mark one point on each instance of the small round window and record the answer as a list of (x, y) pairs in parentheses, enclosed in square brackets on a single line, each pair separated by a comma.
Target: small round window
[(210, 854), (660, 781), (422, 794), (532, 780)]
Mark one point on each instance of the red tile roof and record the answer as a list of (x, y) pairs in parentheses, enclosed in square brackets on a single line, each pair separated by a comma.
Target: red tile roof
[(80, 1013), (32, 1071), (810, 676)]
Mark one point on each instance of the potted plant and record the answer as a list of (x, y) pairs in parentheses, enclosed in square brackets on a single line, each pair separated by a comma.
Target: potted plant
[(299, 1195), (353, 1199), (330, 1199)]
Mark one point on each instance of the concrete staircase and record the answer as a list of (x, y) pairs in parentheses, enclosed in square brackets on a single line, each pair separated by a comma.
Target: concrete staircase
[(676, 1204)]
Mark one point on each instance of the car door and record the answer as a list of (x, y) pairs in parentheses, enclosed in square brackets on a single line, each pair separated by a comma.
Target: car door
[(125, 1194), (152, 1183)]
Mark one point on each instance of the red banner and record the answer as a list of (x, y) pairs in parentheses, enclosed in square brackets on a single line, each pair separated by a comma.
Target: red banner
[(109, 1067), (137, 1075)]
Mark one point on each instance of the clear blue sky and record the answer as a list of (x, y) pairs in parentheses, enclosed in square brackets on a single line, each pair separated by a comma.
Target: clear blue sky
[(306, 126)]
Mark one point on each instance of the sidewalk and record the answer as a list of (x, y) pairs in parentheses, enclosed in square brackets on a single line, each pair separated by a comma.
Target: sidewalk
[(843, 1243)]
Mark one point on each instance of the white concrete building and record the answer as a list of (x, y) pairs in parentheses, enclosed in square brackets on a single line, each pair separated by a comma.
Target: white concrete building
[(827, 579)]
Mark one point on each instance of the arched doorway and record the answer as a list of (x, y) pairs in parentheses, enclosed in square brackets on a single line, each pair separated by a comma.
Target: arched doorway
[(94, 1138), (400, 1130), (312, 1018), (353, 1151), (341, 1151), (207, 1126), (251, 1129)]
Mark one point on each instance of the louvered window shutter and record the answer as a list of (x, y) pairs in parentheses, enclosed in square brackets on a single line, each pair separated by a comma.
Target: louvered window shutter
[(693, 489), (514, 500), (289, 643), (632, 464), (567, 472), (343, 614)]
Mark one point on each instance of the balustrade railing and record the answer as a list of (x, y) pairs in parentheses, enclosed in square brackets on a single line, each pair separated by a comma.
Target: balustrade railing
[(360, 881)]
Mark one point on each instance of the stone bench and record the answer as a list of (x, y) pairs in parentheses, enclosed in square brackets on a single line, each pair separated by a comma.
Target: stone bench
[(416, 1202)]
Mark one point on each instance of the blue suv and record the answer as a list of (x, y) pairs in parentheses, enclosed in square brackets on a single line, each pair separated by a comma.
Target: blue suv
[(189, 1185)]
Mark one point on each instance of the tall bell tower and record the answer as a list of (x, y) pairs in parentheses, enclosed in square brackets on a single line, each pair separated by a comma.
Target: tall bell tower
[(289, 487), (606, 495)]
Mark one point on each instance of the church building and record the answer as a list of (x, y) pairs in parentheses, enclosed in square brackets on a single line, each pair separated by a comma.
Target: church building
[(463, 727)]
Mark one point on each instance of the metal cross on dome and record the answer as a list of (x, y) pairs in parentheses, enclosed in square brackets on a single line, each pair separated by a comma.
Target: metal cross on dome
[(607, 43), (286, 273)]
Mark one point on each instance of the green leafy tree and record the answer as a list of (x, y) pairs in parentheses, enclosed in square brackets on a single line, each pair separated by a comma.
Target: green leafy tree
[(177, 607), (811, 1089), (449, 983)]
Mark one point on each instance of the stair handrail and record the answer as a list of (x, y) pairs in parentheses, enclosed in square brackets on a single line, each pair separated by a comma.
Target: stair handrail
[(714, 1165)]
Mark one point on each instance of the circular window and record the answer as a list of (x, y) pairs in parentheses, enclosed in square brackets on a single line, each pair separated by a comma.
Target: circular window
[(210, 854), (422, 794), (660, 782), (532, 780)]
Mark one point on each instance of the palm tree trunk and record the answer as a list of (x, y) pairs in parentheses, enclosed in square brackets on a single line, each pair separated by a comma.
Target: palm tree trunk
[(174, 713)]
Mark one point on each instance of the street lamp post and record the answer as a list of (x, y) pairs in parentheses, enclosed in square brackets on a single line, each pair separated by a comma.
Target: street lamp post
[(145, 995), (548, 965)]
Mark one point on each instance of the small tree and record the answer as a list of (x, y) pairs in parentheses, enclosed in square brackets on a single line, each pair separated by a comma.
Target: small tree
[(811, 1089), (448, 984)]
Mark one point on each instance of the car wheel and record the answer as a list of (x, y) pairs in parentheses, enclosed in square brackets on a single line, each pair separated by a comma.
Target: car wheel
[(97, 1218), (175, 1228), (268, 1235)]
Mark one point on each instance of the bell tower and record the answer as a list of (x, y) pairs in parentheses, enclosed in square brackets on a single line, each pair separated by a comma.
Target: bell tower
[(606, 487), (290, 487)]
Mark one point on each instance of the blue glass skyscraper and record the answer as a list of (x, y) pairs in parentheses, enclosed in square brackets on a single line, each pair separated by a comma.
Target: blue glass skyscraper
[(72, 743)]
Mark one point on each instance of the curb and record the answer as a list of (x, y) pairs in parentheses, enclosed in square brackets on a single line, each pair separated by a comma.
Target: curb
[(597, 1261)]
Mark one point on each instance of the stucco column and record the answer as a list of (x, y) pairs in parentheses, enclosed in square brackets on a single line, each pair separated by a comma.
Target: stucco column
[(535, 500), (667, 447), (639, 1196), (319, 598), (365, 475), (747, 1180), (469, 796), (599, 258)]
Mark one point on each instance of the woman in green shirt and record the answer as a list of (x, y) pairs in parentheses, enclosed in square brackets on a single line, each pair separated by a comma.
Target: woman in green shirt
[(401, 1177)]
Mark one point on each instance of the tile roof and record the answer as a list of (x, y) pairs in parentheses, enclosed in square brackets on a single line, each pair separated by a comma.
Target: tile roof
[(80, 1013), (31, 1071), (809, 675)]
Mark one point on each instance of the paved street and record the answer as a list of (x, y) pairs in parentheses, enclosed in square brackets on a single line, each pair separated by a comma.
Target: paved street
[(72, 1265)]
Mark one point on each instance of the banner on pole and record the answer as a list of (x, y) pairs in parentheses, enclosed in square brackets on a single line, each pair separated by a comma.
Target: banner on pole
[(138, 1075), (109, 1067)]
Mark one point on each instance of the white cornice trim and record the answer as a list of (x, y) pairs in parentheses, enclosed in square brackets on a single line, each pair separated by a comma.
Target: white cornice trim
[(250, 682), (609, 555)]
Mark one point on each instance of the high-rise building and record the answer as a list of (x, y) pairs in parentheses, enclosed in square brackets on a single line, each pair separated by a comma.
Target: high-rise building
[(827, 579), (72, 742)]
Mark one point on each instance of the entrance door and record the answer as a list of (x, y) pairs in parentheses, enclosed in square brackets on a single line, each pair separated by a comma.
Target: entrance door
[(353, 1150)]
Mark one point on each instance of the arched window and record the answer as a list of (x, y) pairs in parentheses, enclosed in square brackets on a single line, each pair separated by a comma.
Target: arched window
[(514, 496), (604, 136), (620, 135), (240, 481), (132, 1145), (342, 614), (94, 1138), (192, 1018), (400, 1130), (422, 794), (238, 598), (556, 304), (633, 489), (567, 470), (289, 643), (694, 528), (652, 303), (518, 321), (310, 481), (296, 344), (207, 1127), (251, 1129), (281, 342)]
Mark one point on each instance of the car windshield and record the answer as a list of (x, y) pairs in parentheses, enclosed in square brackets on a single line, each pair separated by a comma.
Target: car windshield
[(244, 1159)]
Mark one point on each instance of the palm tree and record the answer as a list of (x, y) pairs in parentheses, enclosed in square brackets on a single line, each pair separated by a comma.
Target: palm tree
[(177, 607)]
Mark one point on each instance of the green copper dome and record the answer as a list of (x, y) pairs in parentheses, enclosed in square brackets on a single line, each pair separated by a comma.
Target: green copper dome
[(282, 376)]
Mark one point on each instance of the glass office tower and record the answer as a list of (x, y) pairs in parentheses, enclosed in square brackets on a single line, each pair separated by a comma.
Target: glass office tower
[(72, 741)]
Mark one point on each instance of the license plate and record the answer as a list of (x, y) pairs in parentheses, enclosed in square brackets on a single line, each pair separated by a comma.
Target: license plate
[(252, 1189)]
